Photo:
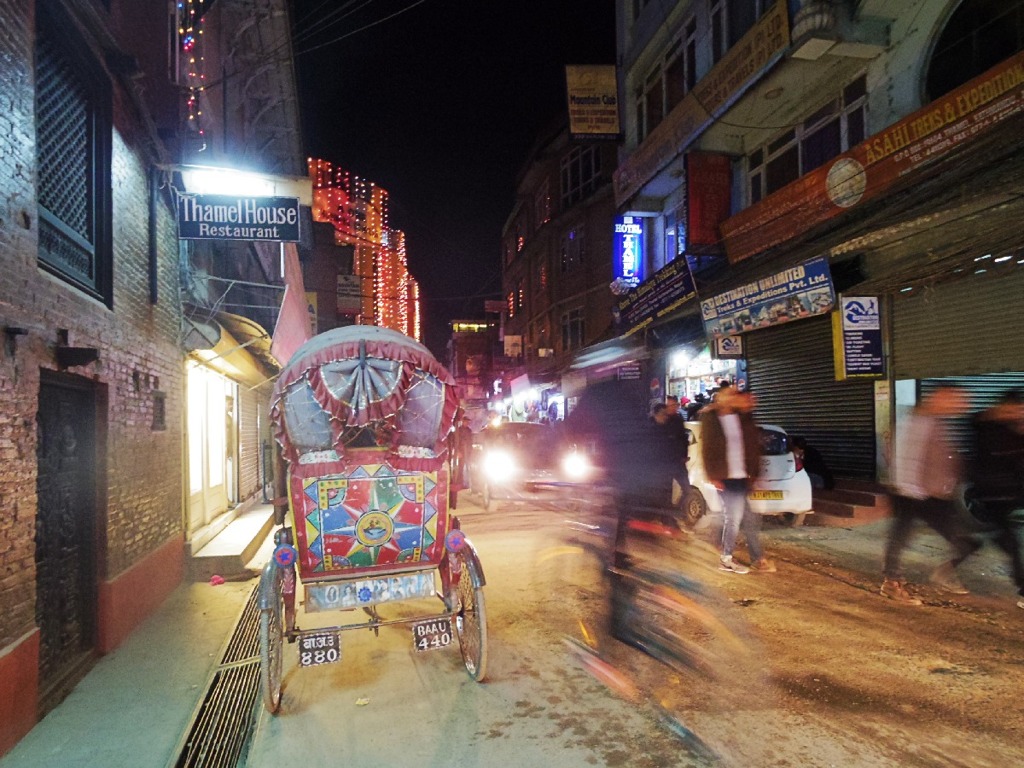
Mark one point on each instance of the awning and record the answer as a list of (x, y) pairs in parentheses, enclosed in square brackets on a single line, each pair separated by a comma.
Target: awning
[(232, 345)]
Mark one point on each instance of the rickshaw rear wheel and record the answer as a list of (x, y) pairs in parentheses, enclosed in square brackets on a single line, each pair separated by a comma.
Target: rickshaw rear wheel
[(271, 642), (471, 619)]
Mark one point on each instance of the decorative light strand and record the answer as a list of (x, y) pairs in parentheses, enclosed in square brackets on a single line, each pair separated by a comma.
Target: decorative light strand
[(358, 209)]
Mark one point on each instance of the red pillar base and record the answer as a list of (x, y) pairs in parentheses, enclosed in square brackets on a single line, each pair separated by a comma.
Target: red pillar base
[(19, 689)]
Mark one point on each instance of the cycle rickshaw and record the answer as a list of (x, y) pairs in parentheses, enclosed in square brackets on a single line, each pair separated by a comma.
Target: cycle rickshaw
[(364, 416)]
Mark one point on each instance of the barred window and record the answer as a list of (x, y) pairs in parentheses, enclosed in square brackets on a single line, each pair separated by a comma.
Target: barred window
[(73, 127), (581, 174)]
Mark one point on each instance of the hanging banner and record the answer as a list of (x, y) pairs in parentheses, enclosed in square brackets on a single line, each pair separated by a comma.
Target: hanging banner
[(798, 292), (857, 338), (593, 101), (708, 200), (230, 217), (663, 294)]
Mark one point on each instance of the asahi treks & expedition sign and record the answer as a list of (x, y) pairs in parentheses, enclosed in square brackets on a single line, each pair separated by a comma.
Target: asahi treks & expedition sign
[(231, 217)]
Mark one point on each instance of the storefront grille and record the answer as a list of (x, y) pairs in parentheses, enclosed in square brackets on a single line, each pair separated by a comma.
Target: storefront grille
[(791, 370)]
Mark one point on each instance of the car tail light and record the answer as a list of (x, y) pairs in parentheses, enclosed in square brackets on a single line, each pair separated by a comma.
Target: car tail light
[(799, 462)]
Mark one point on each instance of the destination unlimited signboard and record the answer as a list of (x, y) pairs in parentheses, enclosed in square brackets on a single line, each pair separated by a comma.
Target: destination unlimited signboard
[(231, 217)]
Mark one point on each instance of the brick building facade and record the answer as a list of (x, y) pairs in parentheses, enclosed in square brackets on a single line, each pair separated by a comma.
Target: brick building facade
[(91, 374)]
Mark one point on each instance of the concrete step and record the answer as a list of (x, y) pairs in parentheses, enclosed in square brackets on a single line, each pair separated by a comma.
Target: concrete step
[(851, 502), (233, 553)]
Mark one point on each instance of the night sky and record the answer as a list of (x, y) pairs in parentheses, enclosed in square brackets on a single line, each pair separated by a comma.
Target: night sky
[(440, 105)]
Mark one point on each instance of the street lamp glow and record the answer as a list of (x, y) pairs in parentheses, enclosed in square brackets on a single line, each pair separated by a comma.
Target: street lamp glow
[(208, 180)]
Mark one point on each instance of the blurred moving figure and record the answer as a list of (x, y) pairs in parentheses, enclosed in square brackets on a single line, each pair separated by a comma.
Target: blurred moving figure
[(998, 475), (813, 463), (730, 449), (928, 471), (679, 444)]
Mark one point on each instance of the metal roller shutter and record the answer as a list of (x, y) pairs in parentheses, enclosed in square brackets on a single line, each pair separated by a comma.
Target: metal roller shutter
[(984, 391), (249, 442), (960, 328), (792, 371)]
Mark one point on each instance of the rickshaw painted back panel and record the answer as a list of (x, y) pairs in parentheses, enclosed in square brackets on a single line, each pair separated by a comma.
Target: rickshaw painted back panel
[(368, 518)]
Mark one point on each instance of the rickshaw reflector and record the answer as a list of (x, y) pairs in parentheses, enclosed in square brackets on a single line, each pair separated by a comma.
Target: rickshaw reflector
[(285, 555), (454, 541)]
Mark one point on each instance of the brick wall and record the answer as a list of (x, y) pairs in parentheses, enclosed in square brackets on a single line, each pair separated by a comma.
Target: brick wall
[(141, 503)]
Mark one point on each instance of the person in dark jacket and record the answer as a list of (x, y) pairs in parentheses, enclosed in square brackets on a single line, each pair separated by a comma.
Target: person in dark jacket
[(813, 463), (997, 471), (675, 424), (731, 450)]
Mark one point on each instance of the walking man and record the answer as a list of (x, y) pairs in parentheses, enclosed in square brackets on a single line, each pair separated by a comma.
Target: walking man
[(675, 425), (928, 470), (730, 448), (998, 474)]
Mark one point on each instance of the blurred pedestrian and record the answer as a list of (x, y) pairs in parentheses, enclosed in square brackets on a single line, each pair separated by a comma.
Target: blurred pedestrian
[(928, 470), (730, 448), (997, 471), (679, 445)]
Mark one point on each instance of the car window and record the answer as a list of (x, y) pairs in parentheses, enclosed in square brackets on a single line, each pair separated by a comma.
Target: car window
[(773, 442)]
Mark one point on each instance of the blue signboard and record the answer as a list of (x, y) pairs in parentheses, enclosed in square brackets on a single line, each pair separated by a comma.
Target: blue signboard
[(664, 293), (628, 250), (801, 291), (857, 333)]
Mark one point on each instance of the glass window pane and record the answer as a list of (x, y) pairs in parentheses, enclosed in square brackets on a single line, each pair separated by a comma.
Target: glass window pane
[(783, 169), (855, 127), (821, 146)]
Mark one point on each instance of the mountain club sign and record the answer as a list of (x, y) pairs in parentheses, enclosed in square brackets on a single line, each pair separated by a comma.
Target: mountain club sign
[(230, 217)]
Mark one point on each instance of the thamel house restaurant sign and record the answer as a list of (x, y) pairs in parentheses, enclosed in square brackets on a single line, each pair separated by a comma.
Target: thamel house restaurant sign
[(229, 217)]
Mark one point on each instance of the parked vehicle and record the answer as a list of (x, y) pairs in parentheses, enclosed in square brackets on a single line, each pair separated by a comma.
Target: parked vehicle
[(522, 461), (783, 487)]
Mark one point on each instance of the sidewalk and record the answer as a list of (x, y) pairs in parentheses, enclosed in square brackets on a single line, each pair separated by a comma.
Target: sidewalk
[(133, 707)]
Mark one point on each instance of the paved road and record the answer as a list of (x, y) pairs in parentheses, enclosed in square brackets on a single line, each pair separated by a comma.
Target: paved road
[(817, 669)]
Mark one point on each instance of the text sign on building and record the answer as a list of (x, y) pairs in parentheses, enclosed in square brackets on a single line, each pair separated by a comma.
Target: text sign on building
[(728, 347), (883, 162), (857, 337), (593, 101), (798, 292), (627, 253), (666, 291), (231, 217)]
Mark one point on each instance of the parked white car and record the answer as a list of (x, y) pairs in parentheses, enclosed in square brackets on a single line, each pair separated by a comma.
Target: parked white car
[(782, 488)]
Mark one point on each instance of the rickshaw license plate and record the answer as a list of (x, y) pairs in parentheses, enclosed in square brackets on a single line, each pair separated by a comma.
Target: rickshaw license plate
[(323, 648), (767, 495), (433, 634)]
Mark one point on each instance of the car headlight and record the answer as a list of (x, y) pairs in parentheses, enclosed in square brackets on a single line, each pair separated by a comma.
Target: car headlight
[(499, 466), (575, 465)]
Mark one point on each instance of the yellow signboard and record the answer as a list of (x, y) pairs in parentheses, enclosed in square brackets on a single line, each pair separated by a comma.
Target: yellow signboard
[(593, 101)]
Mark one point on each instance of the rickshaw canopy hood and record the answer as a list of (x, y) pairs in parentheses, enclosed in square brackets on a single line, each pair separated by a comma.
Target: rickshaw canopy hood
[(364, 376)]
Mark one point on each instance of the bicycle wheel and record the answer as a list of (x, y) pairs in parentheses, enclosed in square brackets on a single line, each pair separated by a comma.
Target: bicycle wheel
[(471, 620), (271, 637)]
